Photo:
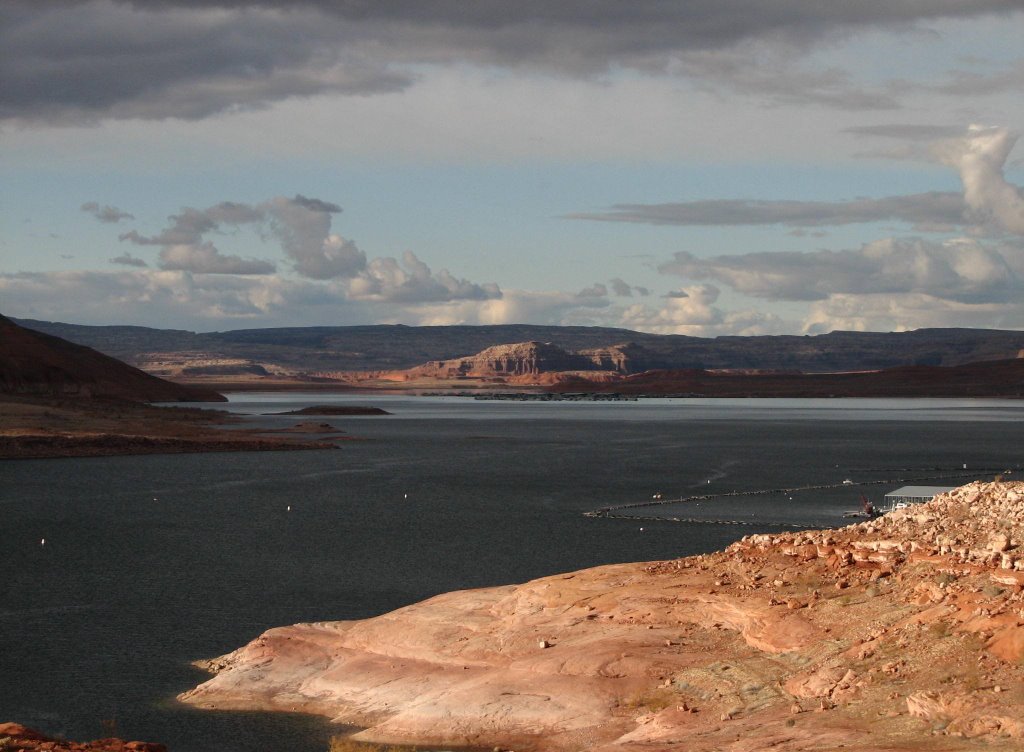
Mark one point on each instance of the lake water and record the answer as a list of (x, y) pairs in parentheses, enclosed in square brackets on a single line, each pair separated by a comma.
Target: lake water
[(151, 562)]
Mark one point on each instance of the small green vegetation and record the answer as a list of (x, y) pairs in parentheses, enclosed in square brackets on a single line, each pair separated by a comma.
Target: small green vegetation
[(650, 702), (347, 744)]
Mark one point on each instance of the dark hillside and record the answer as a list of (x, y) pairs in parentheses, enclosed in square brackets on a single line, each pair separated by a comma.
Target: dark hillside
[(36, 364)]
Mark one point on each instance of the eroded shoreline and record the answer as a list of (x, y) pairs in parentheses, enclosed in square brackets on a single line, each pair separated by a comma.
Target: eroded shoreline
[(899, 633)]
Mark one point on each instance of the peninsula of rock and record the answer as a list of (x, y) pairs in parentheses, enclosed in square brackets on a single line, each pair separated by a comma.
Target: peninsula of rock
[(904, 632)]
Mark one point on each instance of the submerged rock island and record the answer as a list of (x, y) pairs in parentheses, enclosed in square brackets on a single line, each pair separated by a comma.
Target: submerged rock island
[(905, 632)]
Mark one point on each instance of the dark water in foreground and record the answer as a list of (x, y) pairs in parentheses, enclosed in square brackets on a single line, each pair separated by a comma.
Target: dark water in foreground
[(151, 562)]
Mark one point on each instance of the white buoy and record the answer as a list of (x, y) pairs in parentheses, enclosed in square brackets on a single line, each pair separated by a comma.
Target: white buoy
[(405, 496), (289, 508), (641, 530), (42, 542)]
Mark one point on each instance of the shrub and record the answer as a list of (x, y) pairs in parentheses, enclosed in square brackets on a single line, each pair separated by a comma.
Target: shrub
[(347, 744), (650, 702)]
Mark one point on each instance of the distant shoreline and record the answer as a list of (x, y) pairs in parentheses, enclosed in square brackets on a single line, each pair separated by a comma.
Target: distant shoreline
[(998, 378), (35, 428)]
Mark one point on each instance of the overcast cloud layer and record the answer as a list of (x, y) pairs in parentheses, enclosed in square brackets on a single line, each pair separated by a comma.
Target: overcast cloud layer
[(214, 164), (189, 59)]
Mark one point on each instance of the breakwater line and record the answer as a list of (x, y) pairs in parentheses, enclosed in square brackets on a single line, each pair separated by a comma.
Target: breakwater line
[(613, 511)]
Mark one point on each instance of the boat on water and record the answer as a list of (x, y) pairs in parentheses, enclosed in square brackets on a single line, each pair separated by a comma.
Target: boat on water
[(867, 509)]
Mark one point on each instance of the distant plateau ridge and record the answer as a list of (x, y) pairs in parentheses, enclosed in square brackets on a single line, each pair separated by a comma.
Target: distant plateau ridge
[(925, 362)]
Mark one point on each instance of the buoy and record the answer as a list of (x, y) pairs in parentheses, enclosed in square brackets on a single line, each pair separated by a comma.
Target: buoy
[(289, 508), (641, 530), (405, 496), (42, 542)]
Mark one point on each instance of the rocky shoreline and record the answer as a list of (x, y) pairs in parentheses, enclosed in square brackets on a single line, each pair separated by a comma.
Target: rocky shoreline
[(15, 737), (900, 633)]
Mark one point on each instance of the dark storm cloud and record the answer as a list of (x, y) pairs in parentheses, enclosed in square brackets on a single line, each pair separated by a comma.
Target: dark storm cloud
[(922, 209), (621, 288), (107, 214), (75, 61), (126, 259), (189, 59), (316, 205), (907, 131), (962, 83)]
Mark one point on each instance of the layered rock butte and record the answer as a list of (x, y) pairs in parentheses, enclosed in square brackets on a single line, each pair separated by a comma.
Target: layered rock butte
[(523, 363), (901, 633), (630, 369)]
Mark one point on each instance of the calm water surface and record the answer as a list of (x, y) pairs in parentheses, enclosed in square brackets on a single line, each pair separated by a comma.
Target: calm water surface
[(151, 562)]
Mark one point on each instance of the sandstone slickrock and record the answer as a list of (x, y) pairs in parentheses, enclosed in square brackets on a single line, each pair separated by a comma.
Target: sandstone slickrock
[(922, 648)]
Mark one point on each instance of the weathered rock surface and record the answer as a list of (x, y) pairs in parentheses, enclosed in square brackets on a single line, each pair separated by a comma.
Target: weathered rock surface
[(900, 633)]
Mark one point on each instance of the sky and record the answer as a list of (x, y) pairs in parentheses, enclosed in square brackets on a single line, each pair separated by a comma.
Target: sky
[(701, 167)]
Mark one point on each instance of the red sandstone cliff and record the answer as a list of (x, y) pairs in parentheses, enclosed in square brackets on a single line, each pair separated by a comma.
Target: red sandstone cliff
[(520, 359)]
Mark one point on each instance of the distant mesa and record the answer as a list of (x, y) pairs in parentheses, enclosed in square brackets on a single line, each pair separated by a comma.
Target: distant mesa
[(335, 410), (254, 369), (631, 369), (336, 358), (534, 358), (40, 365), (524, 363), (998, 378)]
